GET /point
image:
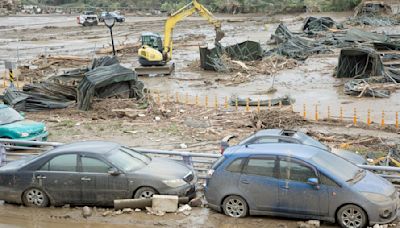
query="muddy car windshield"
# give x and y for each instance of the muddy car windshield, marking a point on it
(127, 159)
(336, 166)
(9, 115)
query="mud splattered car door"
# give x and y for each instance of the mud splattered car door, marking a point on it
(99, 187)
(60, 179)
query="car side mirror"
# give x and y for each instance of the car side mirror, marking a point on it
(114, 172)
(22, 114)
(313, 182)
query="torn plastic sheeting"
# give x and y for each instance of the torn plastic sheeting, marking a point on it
(55, 90)
(313, 24)
(245, 51)
(106, 81)
(356, 35)
(26, 101)
(359, 62)
(293, 46)
(285, 100)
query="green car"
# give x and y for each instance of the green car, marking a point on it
(14, 126)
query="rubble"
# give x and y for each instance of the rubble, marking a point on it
(313, 24)
(165, 203)
(284, 100)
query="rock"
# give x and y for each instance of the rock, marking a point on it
(385, 226)
(86, 211)
(376, 226)
(157, 118)
(183, 146)
(119, 212)
(181, 111)
(196, 202)
(184, 208)
(165, 203)
(303, 225)
(196, 123)
(314, 223)
(150, 211)
(66, 206)
(106, 213)
(141, 115)
(127, 210)
(2, 202)
(138, 210)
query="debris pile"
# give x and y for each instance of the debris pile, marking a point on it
(375, 14)
(368, 73)
(103, 79)
(285, 119)
(284, 100)
(212, 59)
(294, 46)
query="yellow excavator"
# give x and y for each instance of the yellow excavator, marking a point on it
(156, 54)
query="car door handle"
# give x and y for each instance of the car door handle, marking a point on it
(285, 187)
(85, 179)
(244, 182)
(41, 177)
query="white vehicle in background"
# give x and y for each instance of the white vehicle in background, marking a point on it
(88, 18)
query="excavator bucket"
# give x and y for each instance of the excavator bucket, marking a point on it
(219, 34)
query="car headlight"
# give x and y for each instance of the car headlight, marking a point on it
(44, 128)
(24, 134)
(174, 183)
(376, 198)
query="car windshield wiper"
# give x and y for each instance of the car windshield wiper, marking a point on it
(356, 176)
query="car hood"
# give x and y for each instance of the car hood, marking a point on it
(164, 168)
(374, 184)
(23, 126)
(350, 156)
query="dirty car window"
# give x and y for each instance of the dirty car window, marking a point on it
(92, 165)
(294, 171)
(335, 165)
(9, 115)
(262, 167)
(125, 160)
(66, 163)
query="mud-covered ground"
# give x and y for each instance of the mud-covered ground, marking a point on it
(201, 129)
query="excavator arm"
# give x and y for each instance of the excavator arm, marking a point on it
(181, 14)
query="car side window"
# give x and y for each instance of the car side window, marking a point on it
(93, 165)
(235, 166)
(261, 167)
(324, 180)
(65, 162)
(295, 171)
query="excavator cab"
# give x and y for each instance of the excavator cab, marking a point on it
(150, 54)
(152, 40)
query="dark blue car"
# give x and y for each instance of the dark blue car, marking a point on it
(300, 181)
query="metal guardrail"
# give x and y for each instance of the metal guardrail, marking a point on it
(201, 162)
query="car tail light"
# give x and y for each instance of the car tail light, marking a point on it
(222, 150)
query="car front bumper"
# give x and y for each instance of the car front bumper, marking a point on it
(376, 218)
(188, 190)
(41, 137)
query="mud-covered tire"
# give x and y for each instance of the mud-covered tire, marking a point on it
(235, 206)
(144, 193)
(352, 216)
(35, 197)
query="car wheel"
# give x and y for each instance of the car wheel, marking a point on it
(352, 216)
(35, 198)
(235, 206)
(145, 193)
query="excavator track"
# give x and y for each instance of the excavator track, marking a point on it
(168, 69)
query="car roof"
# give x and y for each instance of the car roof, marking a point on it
(273, 132)
(98, 147)
(3, 106)
(284, 149)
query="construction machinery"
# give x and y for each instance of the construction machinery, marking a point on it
(155, 55)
